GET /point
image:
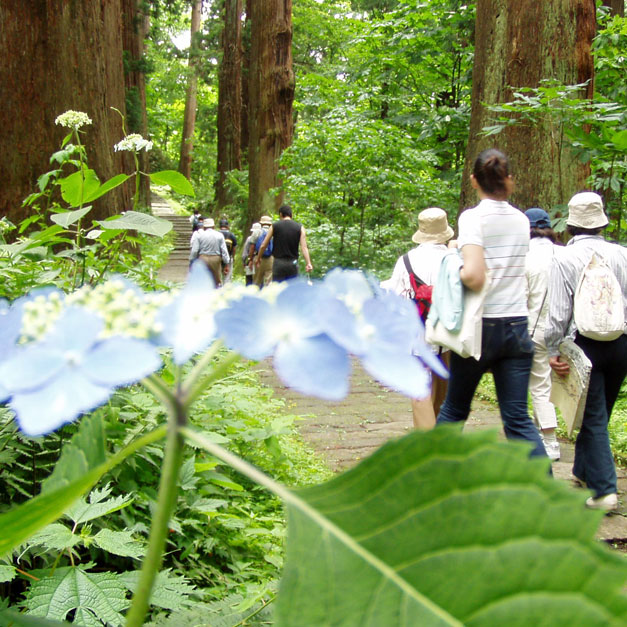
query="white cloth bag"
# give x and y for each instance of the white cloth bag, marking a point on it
(467, 341)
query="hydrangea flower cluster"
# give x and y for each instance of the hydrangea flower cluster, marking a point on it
(62, 355)
(134, 143)
(73, 119)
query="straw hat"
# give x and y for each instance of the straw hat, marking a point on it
(208, 223)
(265, 221)
(585, 210)
(432, 227)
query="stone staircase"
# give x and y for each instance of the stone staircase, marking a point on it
(175, 269)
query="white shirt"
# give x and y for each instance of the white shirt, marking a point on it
(503, 232)
(425, 262)
(537, 267)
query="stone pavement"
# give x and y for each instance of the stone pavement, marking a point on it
(345, 432)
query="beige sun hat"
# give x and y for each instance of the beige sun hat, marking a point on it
(265, 221)
(585, 210)
(433, 227)
(208, 223)
(255, 227)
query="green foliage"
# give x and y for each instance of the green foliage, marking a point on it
(413, 522)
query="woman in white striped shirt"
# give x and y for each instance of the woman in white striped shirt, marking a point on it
(494, 237)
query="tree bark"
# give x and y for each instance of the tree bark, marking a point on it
(135, 28)
(229, 100)
(59, 55)
(191, 100)
(245, 137)
(617, 7)
(517, 44)
(271, 93)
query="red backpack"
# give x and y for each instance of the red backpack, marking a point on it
(422, 292)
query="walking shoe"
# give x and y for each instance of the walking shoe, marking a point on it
(552, 448)
(608, 503)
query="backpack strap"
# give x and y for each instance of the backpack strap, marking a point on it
(410, 270)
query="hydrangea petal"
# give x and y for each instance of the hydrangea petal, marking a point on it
(41, 411)
(316, 366)
(31, 367)
(400, 372)
(395, 320)
(120, 361)
(350, 285)
(76, 330)
(341, 326)
(245, 327)
(10, 328)
(302, 303)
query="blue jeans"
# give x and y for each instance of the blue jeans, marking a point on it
(594, 462)
(507, 351)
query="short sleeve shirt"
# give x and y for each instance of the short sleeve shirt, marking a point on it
(503, 232)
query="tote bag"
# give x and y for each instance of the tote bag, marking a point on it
(467, 341)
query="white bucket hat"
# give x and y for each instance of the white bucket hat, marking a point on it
(208, 223)
(432, 227)
(585, 210)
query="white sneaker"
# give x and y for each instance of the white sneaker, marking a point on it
(608, 503)
(552, 448)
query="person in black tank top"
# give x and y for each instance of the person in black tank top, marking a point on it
(287, 236)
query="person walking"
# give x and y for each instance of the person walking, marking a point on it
(263, 271)
(287, 236)
(494, 237)
(231, 245)
(593, 465)
(209, 245)
(537, 267)
(424, 261)
(248, 252)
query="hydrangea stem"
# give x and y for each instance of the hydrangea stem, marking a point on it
(166, 500)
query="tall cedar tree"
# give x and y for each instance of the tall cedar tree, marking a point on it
(229, 100)
(517, 44)
(60, 55)
(191, 98)
(270, 97)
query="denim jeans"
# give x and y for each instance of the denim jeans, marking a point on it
(594, 462)
(506, 350)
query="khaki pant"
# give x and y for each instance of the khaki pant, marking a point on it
(425, 410)
(214, 263)
(263, 272)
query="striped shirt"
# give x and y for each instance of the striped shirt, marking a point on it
(503, 232)
(566, 270)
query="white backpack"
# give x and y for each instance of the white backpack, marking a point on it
(598, 306)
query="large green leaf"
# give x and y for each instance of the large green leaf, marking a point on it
(106, 187)
(170, 591)
(620, 140)
(96, 598)
(19, 523)
(67, 218)
(77, 187)
(136, 221)
(119, 542)
(175, 180)
(99, 505)
(442, 527)
(11, 618)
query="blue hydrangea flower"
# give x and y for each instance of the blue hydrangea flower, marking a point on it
(71, 371)
(292, 329)
(10, 325)
(188, 322)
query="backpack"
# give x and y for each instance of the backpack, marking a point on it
(268, 251)
(598, 307)
(422, 293)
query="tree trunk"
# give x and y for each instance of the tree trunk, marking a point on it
(189, 117)
(59, 55)
(516, 45)
(617, 7)
(135, 27)
(245, 137)
(271, 93)
(229, 100)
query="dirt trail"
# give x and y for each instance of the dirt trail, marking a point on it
(346, 432)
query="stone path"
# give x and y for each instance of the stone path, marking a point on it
(345, 432)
